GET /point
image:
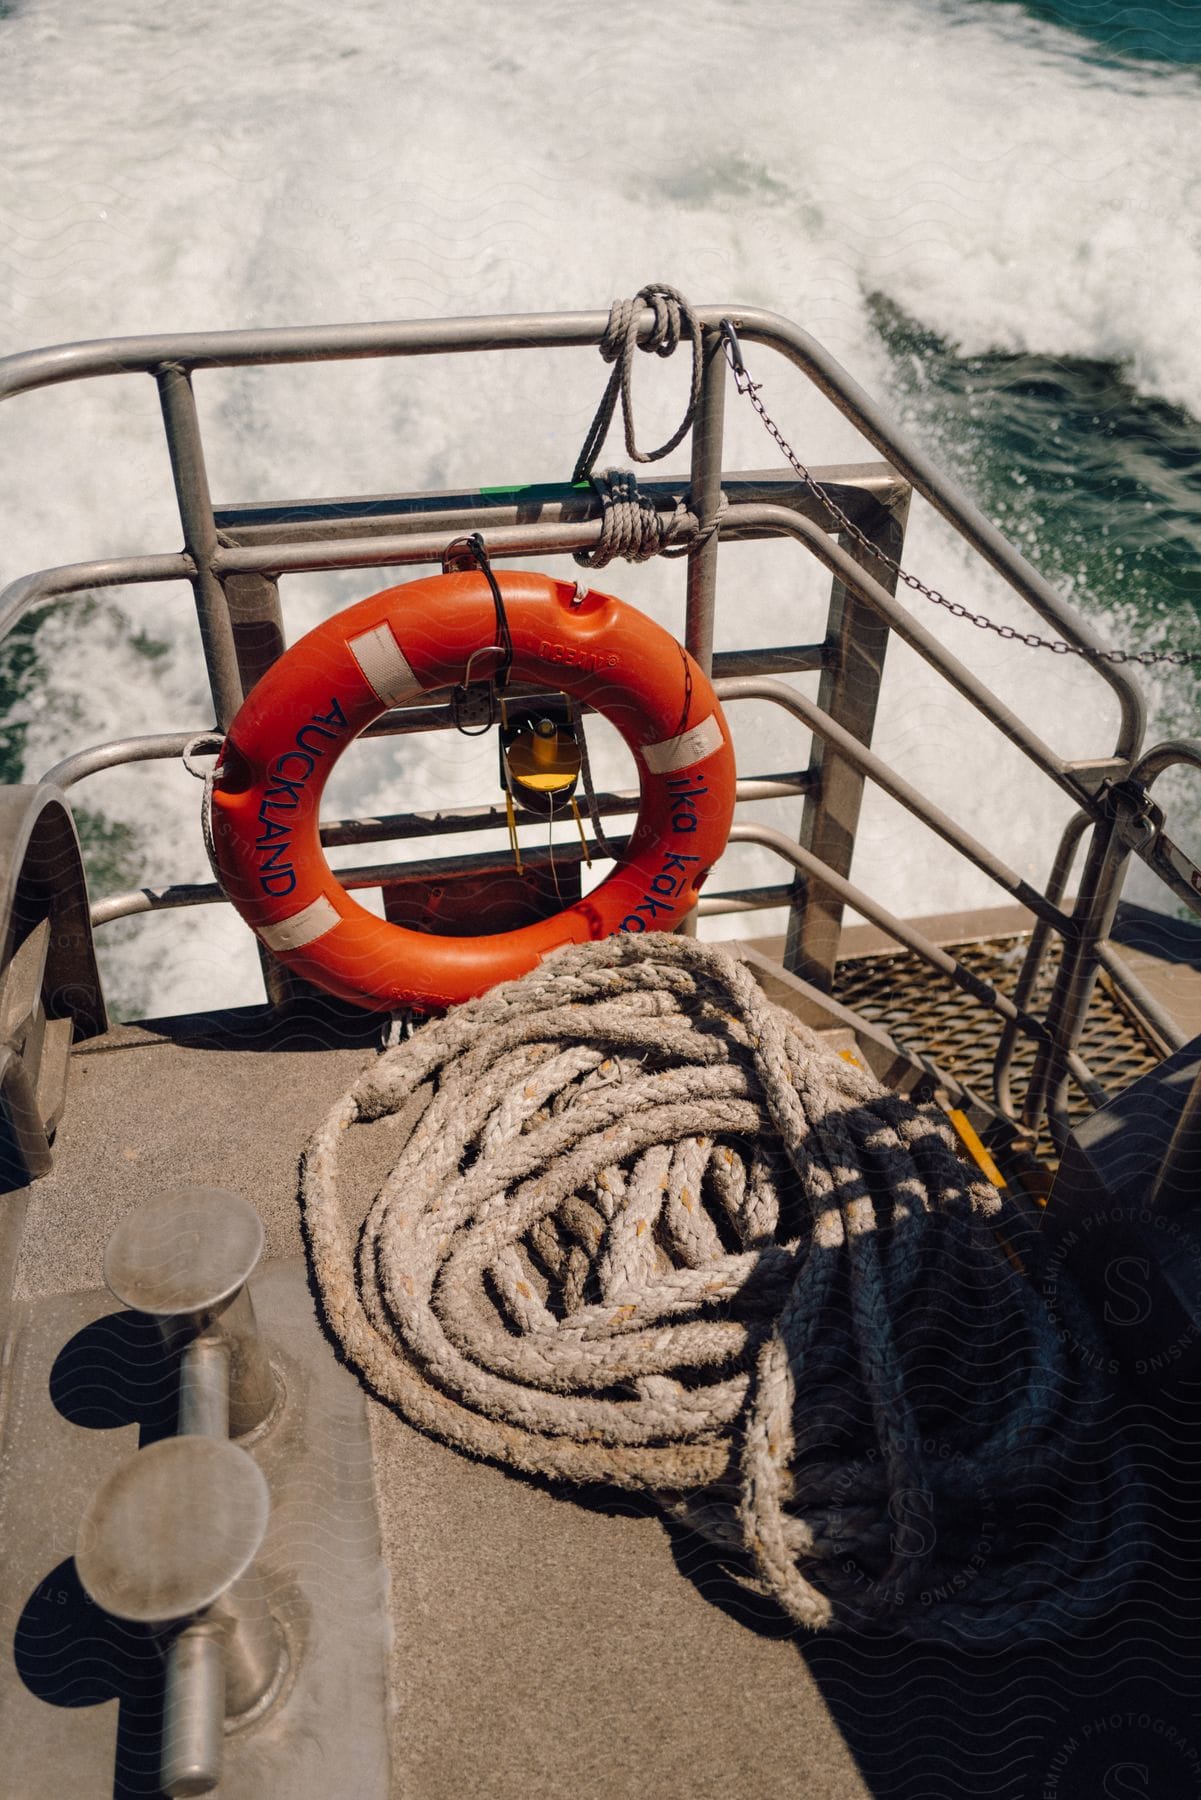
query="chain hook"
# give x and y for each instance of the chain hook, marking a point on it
(1138, 819)
(733, 354)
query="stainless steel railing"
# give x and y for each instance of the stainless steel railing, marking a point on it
(235, 558)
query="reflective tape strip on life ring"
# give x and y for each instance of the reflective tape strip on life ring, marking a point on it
(411, 640)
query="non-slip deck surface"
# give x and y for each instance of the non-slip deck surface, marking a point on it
(540, 1648)
(545, 1647)
(206, 1105)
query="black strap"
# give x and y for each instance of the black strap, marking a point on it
(466, 552)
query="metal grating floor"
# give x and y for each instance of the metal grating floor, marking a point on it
(924, 1011)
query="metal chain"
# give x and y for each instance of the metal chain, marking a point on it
(1010, 633)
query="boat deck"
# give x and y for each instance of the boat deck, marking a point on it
(462, 1631)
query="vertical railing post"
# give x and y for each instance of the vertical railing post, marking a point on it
(241, 623)
(258, 624)
(705, 497)
(857, 639)
(1036, 949)
(186, 450)
(1092, 917)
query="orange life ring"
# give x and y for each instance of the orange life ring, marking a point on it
(409, 640)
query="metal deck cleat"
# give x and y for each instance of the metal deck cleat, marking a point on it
(184, 1260)
(167, 1543)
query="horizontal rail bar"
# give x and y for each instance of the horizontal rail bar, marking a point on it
(310, 343)
(340, 833)
(229, 349)
(740, 900)
(448, 821)
(25, 595)
(861, 490)
(161, 746)
(148, 899)
(207, 893)
(144, 900)
(784, 659)
(532, 539)
(168, 745)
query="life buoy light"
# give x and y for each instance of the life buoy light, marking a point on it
(422, 636)
(541, 760)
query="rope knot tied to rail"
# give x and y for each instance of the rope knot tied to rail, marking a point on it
(670, 309)
(632, 526)
(642, 1228)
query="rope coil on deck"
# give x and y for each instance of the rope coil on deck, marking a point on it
(646, 1230)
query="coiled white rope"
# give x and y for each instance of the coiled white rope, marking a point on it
(647, 1230)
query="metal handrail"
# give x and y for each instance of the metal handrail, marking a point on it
(186, 352)
(871, 765)
(250, 544)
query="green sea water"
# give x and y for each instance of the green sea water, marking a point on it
(1099, 483)
(1167, 32)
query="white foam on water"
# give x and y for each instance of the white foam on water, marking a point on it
(216, 167)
